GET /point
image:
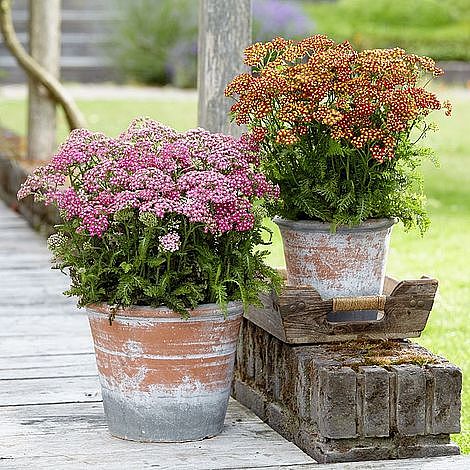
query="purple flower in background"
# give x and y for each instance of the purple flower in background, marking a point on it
(280, 18)
(271, 18)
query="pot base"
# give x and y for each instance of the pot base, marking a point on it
(148, 419)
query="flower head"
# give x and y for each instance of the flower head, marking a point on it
(364, 100)
(170, 242)
(154, 172)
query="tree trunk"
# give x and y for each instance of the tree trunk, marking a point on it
(224, 32)
(44, 43)
(73, 115)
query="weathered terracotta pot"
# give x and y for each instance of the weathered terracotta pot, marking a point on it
(164, 378)
(348, 263)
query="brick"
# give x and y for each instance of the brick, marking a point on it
(302, 385)
(273, 378)
(279, 418)
(337, 402)
(444, 389)
(432, 450)
(410, 393)
(250, 361)
(375, 399)
(249, 397)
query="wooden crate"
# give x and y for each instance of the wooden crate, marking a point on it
(300, 316)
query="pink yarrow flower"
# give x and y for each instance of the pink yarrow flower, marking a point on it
(170, 242)
(209, 179)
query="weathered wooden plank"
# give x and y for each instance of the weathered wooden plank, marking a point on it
(65, 389)
(14, 294)
(91, 412)
(52, 286)
(456, 462)
(50, 361)
(8, 263)
(37, 275)
(86, 368)
(268, 317)
(31, 309)
(444, 463)
(42, 345)
(12, 233)
(65, 324)
(25, 258)
(31, 278)
(31, 301)
(42, 437)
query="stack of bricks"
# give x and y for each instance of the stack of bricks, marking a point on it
(337, 405)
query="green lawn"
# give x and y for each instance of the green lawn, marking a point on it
(110, 117)
(443, 253)
(425, 27)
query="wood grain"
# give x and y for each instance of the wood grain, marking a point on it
(224, 32)
(50, 414)
(44, 45)
(299, 315)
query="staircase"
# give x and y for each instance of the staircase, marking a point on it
(87, 28)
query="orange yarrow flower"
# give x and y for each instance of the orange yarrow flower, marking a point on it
(364, 99)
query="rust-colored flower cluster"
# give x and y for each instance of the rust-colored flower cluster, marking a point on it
(364, 99)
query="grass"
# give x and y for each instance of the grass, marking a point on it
(426, 27)
(443, 252)
(110, 117)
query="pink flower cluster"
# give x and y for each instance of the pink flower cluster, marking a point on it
(170, 242)
(211, 179)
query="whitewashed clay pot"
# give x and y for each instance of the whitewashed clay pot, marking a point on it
(348, 263)
(164, 378)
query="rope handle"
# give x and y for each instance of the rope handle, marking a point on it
(345, 304)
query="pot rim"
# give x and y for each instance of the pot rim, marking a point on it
(202, 311)
(369, 225)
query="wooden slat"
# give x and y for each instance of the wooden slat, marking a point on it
(51, 361)
(44, 345)
(32, 309)
(65, 389)
(66, 324)
(83, 368)
(36, 439)
(50, 416)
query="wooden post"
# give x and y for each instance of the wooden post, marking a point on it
(224, 32)
(44, 42)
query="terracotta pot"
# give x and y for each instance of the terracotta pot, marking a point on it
(348, 263)
(164, 378)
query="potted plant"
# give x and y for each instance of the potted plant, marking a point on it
(338, 131)
(159, 238)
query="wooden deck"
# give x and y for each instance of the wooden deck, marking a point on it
(51, 415)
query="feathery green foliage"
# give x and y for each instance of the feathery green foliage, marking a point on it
(128, 267)
(344, 186)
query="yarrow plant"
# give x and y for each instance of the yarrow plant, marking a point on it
(156, 217)
(339, 128)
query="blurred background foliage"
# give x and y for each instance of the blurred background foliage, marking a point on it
(156, 41)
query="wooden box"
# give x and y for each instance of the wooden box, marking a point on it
(300, 316)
